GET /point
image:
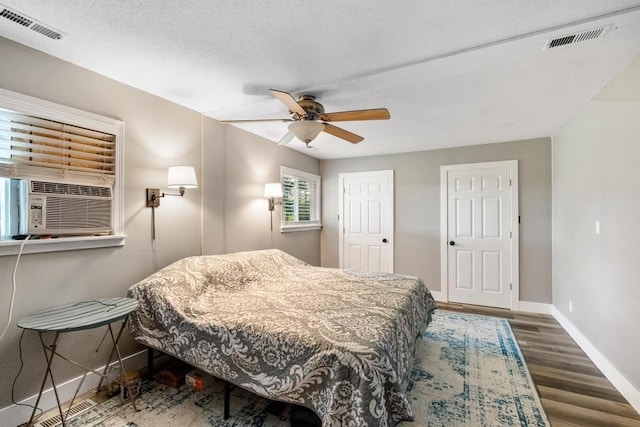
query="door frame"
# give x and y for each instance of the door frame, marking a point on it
(341, 190)
(514, 217)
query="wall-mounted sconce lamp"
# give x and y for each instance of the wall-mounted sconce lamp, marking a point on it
(180, 177)
(273, 191)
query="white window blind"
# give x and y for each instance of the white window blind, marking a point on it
(29, 142)
(300, 200)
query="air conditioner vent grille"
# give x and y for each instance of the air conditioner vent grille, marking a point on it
(32, 24)
(44, 187)
(581, 36)
(77, 214)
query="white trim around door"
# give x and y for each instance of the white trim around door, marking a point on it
(366, 220)
(513, 218)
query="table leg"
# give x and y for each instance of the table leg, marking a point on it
(149, 363)
(84, 375)
(49, 359)
(113, 350)
(226, 399)
(124, 372)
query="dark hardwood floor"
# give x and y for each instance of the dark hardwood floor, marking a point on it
(573, 391)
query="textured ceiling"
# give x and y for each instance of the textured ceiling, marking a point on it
(451, 73)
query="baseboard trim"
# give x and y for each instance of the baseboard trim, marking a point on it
(437, 295)
(526, 306)
(14, 415)
(535, 307)
(618, 380)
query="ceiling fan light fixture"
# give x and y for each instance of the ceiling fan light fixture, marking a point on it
(306, 130)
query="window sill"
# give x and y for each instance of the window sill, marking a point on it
(300, 227)
(12, 247)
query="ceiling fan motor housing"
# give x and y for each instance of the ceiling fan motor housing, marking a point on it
(313, 108)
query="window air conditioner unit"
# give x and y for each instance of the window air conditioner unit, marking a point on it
(57, 208)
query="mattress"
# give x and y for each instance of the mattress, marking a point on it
(338, 342)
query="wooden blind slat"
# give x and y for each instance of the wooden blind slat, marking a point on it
(49, 124)
(65, 151)
(40, 142)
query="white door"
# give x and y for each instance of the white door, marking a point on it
(480, 213)
(365, 221)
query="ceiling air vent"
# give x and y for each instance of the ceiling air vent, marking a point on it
(591, 34)
(30, 23)
(18, 19)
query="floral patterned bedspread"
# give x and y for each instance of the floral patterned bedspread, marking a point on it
(339, 342)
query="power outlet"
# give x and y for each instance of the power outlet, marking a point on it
(153, 197)
(570, 306)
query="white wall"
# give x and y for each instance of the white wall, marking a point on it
(596, 176)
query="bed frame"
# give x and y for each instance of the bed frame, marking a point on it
(227, 385)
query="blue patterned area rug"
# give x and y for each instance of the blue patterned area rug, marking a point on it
(469, 371)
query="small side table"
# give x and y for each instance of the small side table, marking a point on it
(78, 317)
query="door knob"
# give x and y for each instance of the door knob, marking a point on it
(384, 240)
(451, 243)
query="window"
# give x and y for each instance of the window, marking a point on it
(300, 200)
(63, 166)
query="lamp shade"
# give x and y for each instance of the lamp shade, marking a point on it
(273, 190)
(306, 130)
(182, 176)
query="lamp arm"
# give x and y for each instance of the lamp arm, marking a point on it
(154, 194)
(180, 189)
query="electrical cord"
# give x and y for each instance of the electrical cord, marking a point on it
(6, 328)
(153, 239)
(13, 292)
(95, 301)
(15, 380)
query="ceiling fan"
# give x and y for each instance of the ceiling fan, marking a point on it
(309, 119)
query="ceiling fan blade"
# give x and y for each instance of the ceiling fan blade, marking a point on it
(255, 120)
(289, 101)
(341, 133)
(286, 138)
(343, 116)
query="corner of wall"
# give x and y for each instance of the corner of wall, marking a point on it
(618, 380)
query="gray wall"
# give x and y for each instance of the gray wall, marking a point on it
(596, 176)
(417, 208)
(157, 135)
(249, 163)
(212, 187)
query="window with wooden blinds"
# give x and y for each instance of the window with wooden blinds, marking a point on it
(300, 200)
(75, 152)
(28, 140)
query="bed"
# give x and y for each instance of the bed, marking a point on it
(336, 341)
